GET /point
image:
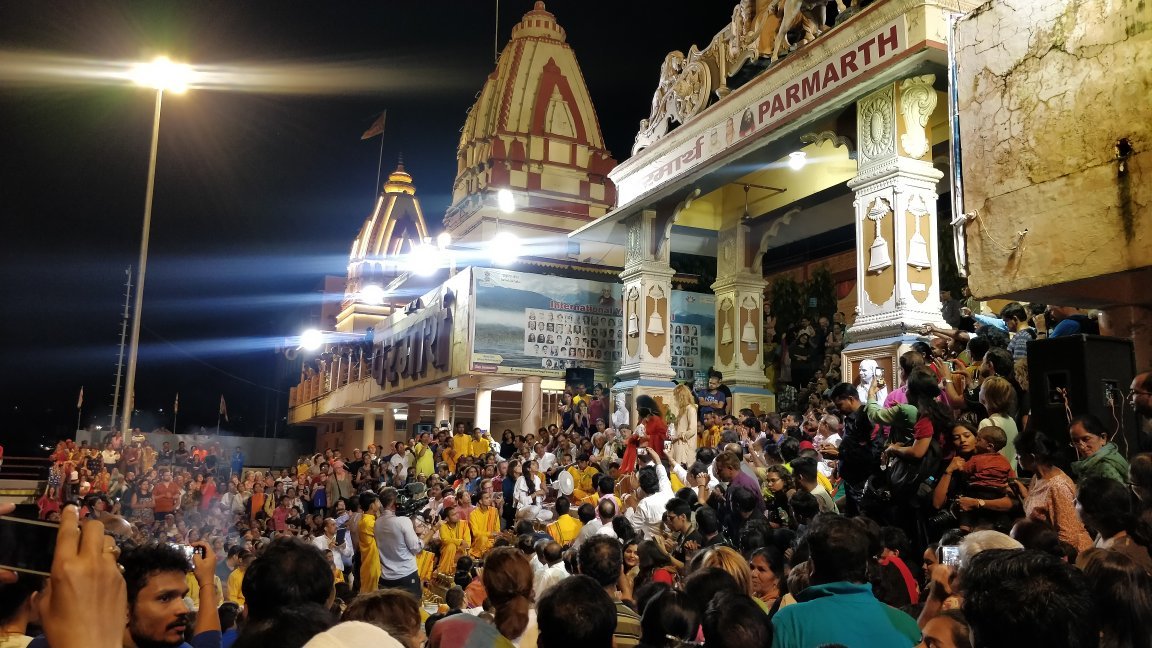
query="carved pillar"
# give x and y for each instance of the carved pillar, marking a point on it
(739, 292)
(483, 417)
(897, 261)
(531, 405)
(647, 296)
(443, 410)
(646, 365)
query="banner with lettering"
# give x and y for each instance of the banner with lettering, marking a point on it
(539, 325)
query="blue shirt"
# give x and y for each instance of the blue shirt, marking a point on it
(842, 613)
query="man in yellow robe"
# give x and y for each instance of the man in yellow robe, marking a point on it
(455, 540)
(584, 477)
(461, 442)
(484, 523)
(565, 529)
(479, 445)
(369, 577)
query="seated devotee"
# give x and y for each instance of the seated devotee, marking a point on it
(566, 528)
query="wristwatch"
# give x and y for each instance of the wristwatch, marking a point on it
(980, 502)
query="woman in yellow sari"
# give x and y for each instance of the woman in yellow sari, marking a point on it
(455, 539)
(369, 578)
(484, 524)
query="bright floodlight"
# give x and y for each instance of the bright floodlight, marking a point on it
(797, 160)
(424, 260)
(163, 74)
(443, 240)
(504, 248)
(506, 201)
(311, 340)
(372, 294)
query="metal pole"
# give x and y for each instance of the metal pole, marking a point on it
(134, 344)
(123, 341)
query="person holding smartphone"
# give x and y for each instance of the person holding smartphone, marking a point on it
(337, 543)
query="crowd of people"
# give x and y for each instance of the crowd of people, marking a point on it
(932, 511)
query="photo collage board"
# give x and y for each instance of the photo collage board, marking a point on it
(564, 339)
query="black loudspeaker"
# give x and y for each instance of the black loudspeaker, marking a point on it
(1093, 373)
(580, 375)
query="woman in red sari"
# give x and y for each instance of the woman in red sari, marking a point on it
(651, 432)
(653, 420)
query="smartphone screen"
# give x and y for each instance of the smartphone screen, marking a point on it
(950, 555)
(27, 545)
(341, 534)
(187, 550)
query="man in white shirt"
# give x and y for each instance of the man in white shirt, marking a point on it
(399, 462)
(544, 458)
(647, 514)
(606, 510)
(592, 524)
(553, 572)
(341, 548)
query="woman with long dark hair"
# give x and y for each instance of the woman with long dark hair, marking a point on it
(655, 565)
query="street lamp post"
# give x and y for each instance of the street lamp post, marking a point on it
(160, 75)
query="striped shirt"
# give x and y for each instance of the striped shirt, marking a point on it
(627, 633)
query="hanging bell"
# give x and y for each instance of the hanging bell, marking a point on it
(726, 333)
(878, 257)
(918, 250)
(633, 325)
(655, 323)
(748, 333)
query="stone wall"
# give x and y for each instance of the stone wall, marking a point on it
(1046, 90)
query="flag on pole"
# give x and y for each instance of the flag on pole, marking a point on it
(80, 400)
(176, 405)
(377, 127)
(223, 408)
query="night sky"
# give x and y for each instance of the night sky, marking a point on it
(258, 194)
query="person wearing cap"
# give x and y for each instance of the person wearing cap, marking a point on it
(353, 634)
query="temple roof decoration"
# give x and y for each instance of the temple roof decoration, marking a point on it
(390, 231)
(532, 130)
(690, 83)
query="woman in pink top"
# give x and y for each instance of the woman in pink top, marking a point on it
(1051, 496)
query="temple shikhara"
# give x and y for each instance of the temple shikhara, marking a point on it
(798, 170)
(532, 131)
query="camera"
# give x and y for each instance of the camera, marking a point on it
(943, 520)
(411, 499)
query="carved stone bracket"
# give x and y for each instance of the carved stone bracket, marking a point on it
(917, 101)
